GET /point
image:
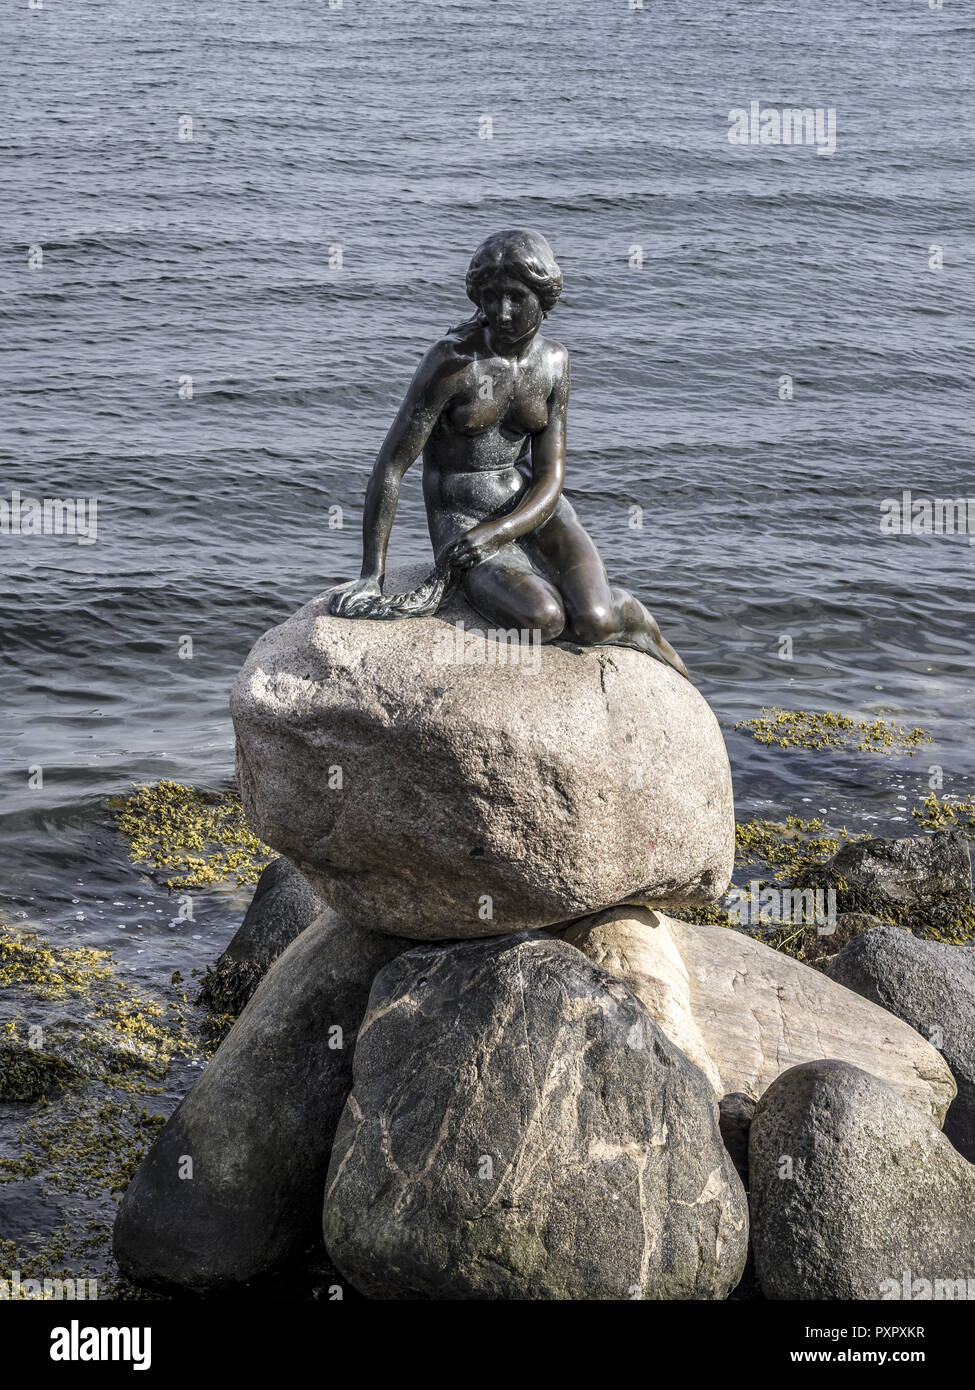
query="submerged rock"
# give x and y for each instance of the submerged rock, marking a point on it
(520, 1128)
(745, 1013)
(931, 986)
(232, 1185)
(854, 1193)
(283, 905)
(436, 798)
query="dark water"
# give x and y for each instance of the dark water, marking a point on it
(316, 127)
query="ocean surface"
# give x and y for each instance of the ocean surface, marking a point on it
(698, 273)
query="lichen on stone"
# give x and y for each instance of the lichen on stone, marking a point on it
(200, 834)
(828, 729)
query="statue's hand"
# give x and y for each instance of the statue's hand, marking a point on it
(356, 600)
(473, 547)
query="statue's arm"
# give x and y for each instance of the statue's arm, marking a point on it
(429, 392)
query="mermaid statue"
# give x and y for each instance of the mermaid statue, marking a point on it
(487, 410)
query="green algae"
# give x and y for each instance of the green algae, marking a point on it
(947, 814)
(29, 1070)
(827, 729)
(797, 853)
(788, 847)
(202, 835)
(91, 1077)
(46, 972)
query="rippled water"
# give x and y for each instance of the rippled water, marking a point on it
(360, 127)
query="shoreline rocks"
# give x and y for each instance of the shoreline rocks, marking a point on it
(283, 905)
(930, 986)
(519, 1128)
(232, 1185)
(436, 799)
(873, 875)
(745, 1013)
(852, 1189)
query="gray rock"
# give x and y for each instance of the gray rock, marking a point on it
(437, 799)
(735, 1120)
(744, 1013)
(931, 986)
(852, 1189)
(283, 905)
(519, 1128)
(257, 1126)
(896, 873)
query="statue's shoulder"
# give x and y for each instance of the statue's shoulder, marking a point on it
(556, 357)
(446, 357)
(463, 340)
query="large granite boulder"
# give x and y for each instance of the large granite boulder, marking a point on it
(745, 1013)
(233, 1183)
(520, 1128)
(437, 781)
(931, 986)
(283, 905)
(854, 1193)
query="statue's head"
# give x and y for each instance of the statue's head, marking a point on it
(514, 279)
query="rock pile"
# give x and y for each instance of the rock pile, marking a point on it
(491, 1067)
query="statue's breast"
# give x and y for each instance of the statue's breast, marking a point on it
(516, 408)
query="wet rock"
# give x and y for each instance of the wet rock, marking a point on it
(520, 1128)
(232, 1185)
(931, 987)
(876, 874)
(745, 1013)
(283, 905)
(854, 1193)
(437, 799)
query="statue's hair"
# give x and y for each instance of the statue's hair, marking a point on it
(526, 256)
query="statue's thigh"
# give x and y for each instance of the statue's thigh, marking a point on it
(566, 551)
(508, 591)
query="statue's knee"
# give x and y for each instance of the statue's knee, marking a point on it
(597, 624)
(546, 616)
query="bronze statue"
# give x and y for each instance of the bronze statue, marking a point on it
(487, 410)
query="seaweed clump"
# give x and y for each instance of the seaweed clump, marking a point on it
(88, 1052)
(827, 729)
(792, 860)
(200, 834)
(936, 814)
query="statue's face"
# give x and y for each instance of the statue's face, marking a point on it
(512, 310)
